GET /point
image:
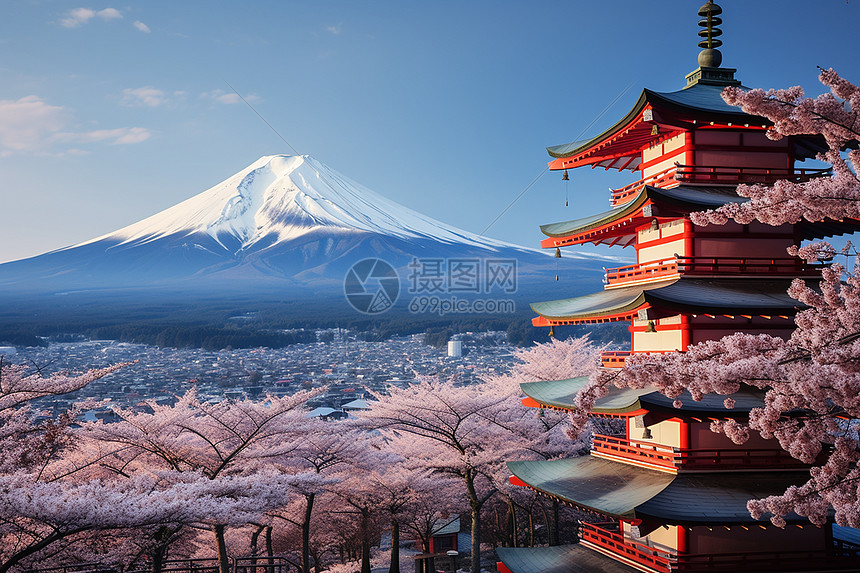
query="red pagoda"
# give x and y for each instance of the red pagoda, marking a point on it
(664, 492)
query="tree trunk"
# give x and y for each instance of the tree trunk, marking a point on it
(475, 504)
(255, 538)
(270, 552)
(531, 528)
(157, 556)
(554, 534)
(512, 523)
(365, 540)
(221, 544)
(159, 551)
(306, 534)
(394, 567)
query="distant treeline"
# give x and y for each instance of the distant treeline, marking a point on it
(251, 322)
(208, 337)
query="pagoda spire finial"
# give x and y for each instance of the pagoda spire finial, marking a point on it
(709, 71)
(710, 57)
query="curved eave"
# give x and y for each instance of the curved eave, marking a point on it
(593, 483)
(676, 296)
(558, 559)
(577, 148)
(618, 225)
(561, 394)
(626, 491)
(606, 305)
(618, 147)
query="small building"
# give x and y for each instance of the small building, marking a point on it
(444, 534)
(455, 348)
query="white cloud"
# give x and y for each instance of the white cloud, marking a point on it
(31, 125)
(334, 29)
(119, 136)
(221, 96)
(80, 16)
(25, 124)
(146, 96)
(141, 26)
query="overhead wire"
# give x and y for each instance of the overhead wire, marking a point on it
(261, 117)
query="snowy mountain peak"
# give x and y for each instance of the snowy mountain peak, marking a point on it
(282, 197)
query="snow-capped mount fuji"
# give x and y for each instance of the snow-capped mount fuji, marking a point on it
(281, 198)
(286, 224)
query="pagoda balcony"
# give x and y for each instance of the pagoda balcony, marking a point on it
(665, 178)
(616, 544)
(646, 557)
(714, 175)
(613, 358)
(723, 175)
(662, 269)
(668, 458)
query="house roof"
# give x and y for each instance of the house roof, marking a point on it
(559, 559)
(631, 492)
(688, 295)
(561, 394)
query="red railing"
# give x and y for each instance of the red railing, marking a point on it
(688, 459)
(724, 175)
(613, 358)
(625, 194)
(667, 561)
(643, 271)
(656, 559)
(656, 454)
(675, 266)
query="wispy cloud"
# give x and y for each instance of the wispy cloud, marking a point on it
(334, 29)
(80, 16)
(146, 96)
(26, 124)
(141, 26)
(30, 125)
(221, 96)
(119, 136)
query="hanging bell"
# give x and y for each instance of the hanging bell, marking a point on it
(557, 253)
(655, 130)
(551, 332)
(564, 176)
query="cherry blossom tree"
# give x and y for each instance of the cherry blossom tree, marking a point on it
(451, 430)
(324, 448)
(544, 433)
(811, 380)
(219, 441)
(40, 501)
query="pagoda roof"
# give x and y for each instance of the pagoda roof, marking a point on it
(624, 219)
(731, 296)
(618, 225)
(561, 394)
(693, 107)
(574, 558)
(631, 492)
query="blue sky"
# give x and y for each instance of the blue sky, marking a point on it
(111, 112)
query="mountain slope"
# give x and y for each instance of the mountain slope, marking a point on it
(286, 224)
